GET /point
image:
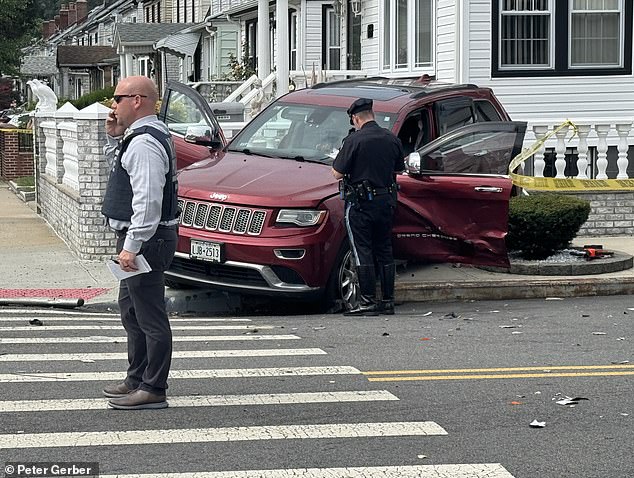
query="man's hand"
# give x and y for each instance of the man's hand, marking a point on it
(127, 261)
(113, 128)
(336, 174)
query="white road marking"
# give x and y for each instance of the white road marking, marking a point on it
(85, 318)
(111, 340)
(178, 374)
(10, 406)
(228, 434)
(177, 354)
(54, 328)
(471, 470)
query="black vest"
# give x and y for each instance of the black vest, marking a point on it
(117, 203)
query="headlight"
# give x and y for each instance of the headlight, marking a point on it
(301, 217)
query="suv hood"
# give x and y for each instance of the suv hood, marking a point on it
(257, 181)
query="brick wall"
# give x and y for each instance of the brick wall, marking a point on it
(611, 213)
(16, 154)
(75, 214)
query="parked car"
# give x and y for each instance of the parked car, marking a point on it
(262, 215)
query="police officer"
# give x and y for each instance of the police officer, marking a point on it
(368, 162)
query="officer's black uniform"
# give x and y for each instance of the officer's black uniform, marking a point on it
(369, 160)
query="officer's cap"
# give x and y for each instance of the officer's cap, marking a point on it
(362, 104)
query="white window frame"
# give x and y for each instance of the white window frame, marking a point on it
(143, 66)
(411, 40)
(332, 19)
(621, 12)
(292, 40)
(551, 37)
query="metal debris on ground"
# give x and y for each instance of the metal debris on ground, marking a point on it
(599, 333)
(36, 322)
(537, 424)
(564, 400)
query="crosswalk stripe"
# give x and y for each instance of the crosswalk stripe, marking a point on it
(111, 319)
(177, 355)
(112, 340)
(471, 470)
(54, 328)
(11, 406)
(226, 434)
(178, 374)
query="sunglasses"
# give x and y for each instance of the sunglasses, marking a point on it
(118, 98)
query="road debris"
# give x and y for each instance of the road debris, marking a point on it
(599, 333)
(36, 322)
(572, 401)
(537, 424)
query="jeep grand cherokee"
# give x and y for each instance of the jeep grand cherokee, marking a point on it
(262, 214)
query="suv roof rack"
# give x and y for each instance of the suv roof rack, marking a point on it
(417, 87)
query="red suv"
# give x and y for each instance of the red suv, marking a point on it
(262, 215)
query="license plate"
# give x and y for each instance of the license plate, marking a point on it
(207, 251)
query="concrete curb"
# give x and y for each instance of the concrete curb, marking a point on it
(514, 289)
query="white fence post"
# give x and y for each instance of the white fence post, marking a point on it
(539, 164)
(602, 149)
(560, 148)
(623, 130)
(583, 131)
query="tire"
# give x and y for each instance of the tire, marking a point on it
(342, 292)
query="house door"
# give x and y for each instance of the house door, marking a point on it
(353, 55)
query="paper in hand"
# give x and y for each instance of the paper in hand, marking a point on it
(120, 274)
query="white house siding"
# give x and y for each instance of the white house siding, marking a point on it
(370, 46)
(313, 36)
(227, 44)
(532, 98)
(446, 40)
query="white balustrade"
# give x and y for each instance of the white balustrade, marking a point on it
(49, 130)
(539, 163)
(602, 150)
(560, 162)
(596, 135)
(68, 133)
(582, 162)
(623, 130)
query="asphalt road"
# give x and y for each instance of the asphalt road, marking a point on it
(438, 390)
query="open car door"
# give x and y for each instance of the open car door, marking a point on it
(454, 198)
(195, 130)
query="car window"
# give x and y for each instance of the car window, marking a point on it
(453, 113)
(182, 112)
(415, 131)
(485, 111)
(482, 152)
(291, 130)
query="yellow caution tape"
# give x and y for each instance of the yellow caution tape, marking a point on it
(15, 130)
(561, 184)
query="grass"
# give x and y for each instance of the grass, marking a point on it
(25, 181)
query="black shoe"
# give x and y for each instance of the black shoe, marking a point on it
(386, 307)
(363, 308)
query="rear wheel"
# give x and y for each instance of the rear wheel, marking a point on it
(342, 292)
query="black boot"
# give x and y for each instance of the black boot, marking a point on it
(367, 284)
(387, 273)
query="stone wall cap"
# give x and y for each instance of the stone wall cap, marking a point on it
(66, 111)
(94, 111)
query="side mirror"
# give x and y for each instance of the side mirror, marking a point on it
(413, 163)
(201, 135)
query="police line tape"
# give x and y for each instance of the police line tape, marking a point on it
(561, 184)
(15, 130)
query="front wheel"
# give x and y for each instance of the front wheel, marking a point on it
(343, 285)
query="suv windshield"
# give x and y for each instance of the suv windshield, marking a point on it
(299, 132)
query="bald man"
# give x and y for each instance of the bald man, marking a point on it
(141, 206)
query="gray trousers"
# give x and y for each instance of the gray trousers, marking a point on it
(144, 317)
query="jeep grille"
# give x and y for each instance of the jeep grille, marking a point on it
(222, 218)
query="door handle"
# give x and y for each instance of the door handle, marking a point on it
(488, 189)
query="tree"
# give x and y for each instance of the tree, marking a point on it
(17, 28)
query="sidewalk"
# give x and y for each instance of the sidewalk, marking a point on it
(36, 263)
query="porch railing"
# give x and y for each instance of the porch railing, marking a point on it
(596, 149)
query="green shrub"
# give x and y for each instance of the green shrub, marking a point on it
(94, 97)
(542, 224)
